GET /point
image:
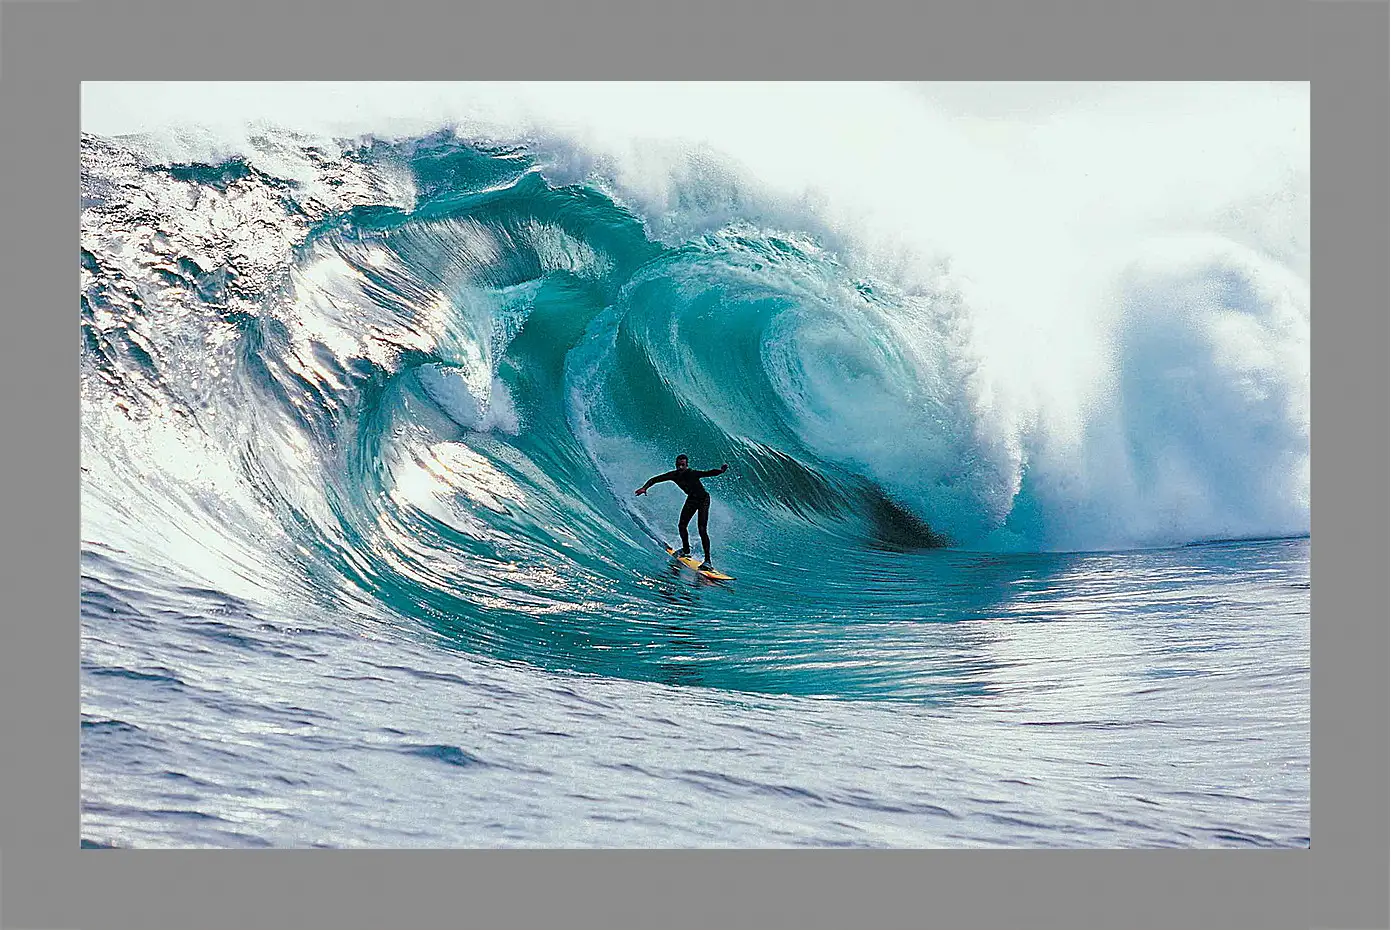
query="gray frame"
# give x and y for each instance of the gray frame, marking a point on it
(46, 48)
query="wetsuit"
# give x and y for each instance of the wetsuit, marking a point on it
(697, 499)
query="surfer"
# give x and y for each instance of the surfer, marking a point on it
(697, 499)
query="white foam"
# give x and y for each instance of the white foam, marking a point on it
(473, 398)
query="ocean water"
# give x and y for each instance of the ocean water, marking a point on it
(362, 565)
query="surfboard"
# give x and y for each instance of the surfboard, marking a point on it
(693, 565)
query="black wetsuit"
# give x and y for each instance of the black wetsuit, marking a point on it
(697, 499)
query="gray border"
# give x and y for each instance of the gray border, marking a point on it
(44, 51)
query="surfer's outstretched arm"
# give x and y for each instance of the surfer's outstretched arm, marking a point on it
(714, 472)
(657, 479)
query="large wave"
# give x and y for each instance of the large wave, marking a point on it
(421, 373)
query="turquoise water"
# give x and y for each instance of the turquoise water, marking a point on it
(362, 565)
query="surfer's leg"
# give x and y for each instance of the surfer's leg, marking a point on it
(704, 519)
(687, 511)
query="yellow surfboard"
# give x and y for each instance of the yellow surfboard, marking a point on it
(695, 566)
